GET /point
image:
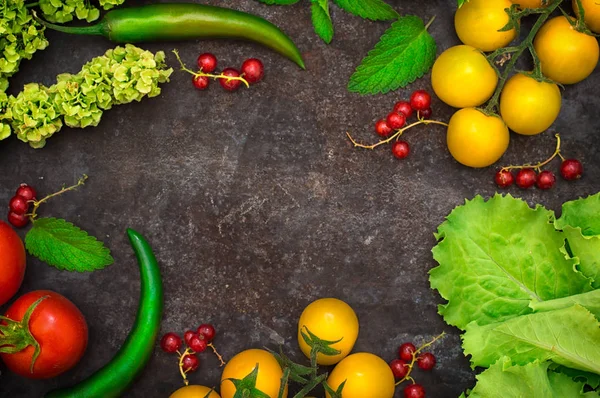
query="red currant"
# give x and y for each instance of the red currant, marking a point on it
(200, 82)
(230, 85)
(525, 178)
(188, 335)
(399, 368)
(545, 180)
(382, 128)
(198, 343)
(426, 361)
(17, 220)
(170, 342)
(26, 192)
(404, 108)
(400, 149)
(253, 70)
(18, 205)
(190, 363)
(207, 62)
(414, 391)
(396, 120)
(425, 114)
(571, 169)
(504, 178)
(406, 351)
(420, 100)
(208, 331)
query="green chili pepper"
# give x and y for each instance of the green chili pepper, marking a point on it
(116, 376)
(179, 21)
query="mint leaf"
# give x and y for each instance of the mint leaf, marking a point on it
(375, 10)
(279, 2)
(405, 52)
(498, 256)
(65, 246)
(568, 337)
(322, 20)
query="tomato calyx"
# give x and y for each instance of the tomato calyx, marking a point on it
(15, 336)
(246, 387)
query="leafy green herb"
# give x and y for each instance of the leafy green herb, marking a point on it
(405, 52)
(322, 20)
(65, 246)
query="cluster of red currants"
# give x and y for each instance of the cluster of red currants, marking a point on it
(402, 367)
(197, 341)
(420, 102)
(19, 206)
(526, 177)
(252, 71)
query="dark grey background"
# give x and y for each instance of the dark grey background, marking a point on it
(256, 203)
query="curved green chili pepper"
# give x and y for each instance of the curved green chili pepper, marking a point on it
(179, 21)
(116, 376)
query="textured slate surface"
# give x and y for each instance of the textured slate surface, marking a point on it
(256, 204)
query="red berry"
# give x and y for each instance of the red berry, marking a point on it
(426, 361)
(400, 149)
(207, 62)
(406, 351)
(399, 368)
(404, 108)
(571, 169)
(170, 342)
(545, 180)
(425, 113)
(396, 120)
(420, 100)
(504, 178)
(208, 331)
(253, 70)
(198, 343)
(414, 391)
(17, 220)
(230, 85)
(26, 192)
(188, 335)
(200, 82)
(525, 178)
(382, 128)
(190, 363)
(18, 205)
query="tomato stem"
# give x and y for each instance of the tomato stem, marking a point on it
(396, 135)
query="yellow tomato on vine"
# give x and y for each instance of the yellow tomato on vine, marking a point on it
(592, 13)
(529, 3)
(241, 365)
(194, 391)
(366, 375)
(478, 24)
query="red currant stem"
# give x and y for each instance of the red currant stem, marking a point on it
(414, 358)
(217, 354)
(541, 164)
(183, 372)
(37, 203)
(200, 73)
(395, 135)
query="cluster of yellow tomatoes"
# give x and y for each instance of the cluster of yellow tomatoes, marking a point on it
(365, 374)
(463, 78)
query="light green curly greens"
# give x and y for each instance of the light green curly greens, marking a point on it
(61, 11)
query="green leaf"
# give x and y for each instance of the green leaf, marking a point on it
(589, 300)
(461, 3)
(322, 20)
(375, 10)
(65, 246)
(498, 256)
(590, 379)
(565, 387)
(585, 250)
(568, 337)
(246, 387)
(405, 52)
(582, 213)
(279, 2)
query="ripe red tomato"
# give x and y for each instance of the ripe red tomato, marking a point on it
(12, 262)
(59, 328)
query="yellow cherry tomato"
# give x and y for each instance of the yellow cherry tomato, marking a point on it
(478, 22)
(529, 3)
(476, 139)
(366, 376)
(194, 392)
(527, 106)
(462, 77)
(567, 56)
(592, 13)
(329, 319)
(241, 365)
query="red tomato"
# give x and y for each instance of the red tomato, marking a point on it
(12, 262)
(59, 328)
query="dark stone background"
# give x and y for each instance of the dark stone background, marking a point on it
(256, 203)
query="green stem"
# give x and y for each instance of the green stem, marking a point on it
(37, 203)
(94, 30)
(518, 51)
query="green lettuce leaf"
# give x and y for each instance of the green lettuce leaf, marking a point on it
(590, 379)
(496, 257)
(589, 300)
(582, 213)
(568, 337)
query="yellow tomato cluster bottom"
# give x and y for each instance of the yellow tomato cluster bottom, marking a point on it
(366, 376)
